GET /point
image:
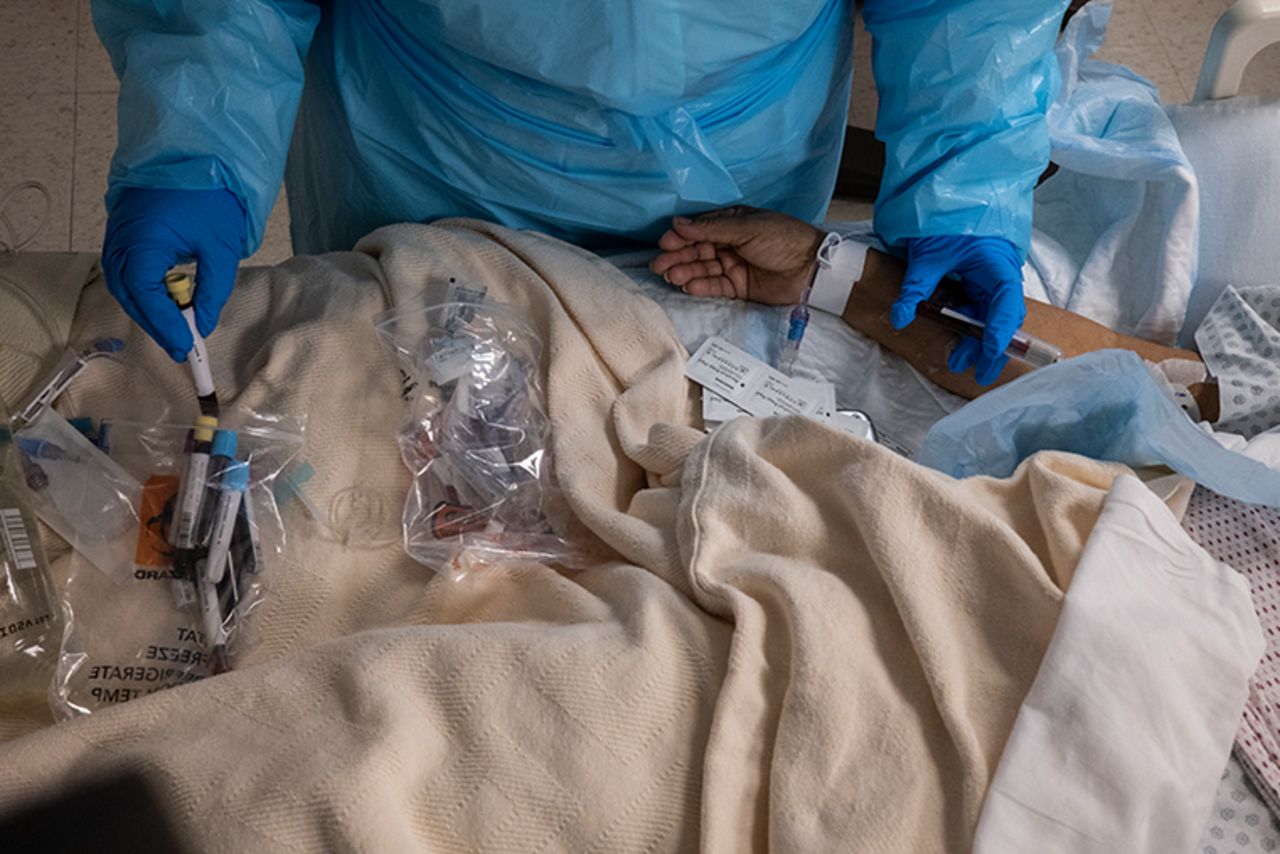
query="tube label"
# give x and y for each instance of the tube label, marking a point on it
(198, 357)
(188, 512)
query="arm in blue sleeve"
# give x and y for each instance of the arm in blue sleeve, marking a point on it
(208, 94)
(964, 88)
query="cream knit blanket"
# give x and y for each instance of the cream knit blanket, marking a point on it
(803, 642)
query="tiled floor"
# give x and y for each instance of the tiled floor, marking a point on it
(57, 103)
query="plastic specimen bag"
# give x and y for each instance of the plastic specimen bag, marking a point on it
(79, 491)
(144, 614)
(475, 436)
(29, 619)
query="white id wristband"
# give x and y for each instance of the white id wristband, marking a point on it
(840, 263)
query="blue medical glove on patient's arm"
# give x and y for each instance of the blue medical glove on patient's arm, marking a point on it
(990, 271)
(148, 232)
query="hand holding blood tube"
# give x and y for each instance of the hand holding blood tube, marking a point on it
(182, 291)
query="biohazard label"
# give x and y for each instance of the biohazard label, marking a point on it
(156, 515)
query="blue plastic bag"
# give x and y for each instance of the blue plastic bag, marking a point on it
(1117, 226)
(1102, 405)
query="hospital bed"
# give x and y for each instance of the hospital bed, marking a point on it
(901, 403)
(1241, 821)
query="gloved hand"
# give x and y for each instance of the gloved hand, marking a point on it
(148, 232)
(990, 270)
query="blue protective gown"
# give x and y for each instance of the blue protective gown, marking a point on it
(589, 121)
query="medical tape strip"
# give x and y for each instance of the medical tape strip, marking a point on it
(840, 264)
(750, 385)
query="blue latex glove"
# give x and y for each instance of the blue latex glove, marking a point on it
(148, 232)
(990, 270)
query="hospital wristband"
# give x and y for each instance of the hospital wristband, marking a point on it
(840, 262)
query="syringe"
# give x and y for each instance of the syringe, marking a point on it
(1024, 347)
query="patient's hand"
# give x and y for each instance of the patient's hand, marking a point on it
(739, 253)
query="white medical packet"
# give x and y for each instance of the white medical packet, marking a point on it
(750, 385)
(735, 383)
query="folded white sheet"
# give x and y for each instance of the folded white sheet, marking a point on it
(1122, 739)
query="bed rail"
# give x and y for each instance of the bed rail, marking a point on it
(1239, 35)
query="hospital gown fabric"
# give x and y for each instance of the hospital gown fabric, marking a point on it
(1240, 823)
(1248, 538)
(1239, 341)
(591, 126)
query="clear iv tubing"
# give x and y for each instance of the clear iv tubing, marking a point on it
(15, 243)
(1024, 347)
(797, 323)
(12, 243)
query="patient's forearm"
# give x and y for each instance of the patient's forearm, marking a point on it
(926, 345)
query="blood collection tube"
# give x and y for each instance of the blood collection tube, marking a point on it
(231, 490)
(182, 291)
(1024, 347)
(183, 530)
(227, 509)
(222, 455)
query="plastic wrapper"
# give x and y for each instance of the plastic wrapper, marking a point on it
(1117, 226)
(28, 612)
(86, 497)
(143, 608)
(475, 436)
(1103, 405)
